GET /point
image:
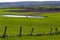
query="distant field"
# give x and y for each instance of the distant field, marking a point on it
(41, 25)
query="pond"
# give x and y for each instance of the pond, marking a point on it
(21, 16)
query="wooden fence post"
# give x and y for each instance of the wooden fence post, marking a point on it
(50, 31)
(32, 31)
(20, 30)
(56, 31)
(5, 30)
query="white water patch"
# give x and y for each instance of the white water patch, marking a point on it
(36, 17)
(23, 16)
(12, 16)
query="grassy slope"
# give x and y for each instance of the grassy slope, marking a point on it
(40, 25)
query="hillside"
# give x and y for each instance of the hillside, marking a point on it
(29, 3)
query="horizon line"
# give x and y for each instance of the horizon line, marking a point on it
(22, 1)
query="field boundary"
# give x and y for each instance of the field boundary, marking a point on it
(31, 33)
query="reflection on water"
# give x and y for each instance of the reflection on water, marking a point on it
(23, 16)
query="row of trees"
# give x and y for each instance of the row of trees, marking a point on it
(35, 8)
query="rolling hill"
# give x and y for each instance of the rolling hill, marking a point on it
(29, 3)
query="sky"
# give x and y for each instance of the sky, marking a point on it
(24, 0)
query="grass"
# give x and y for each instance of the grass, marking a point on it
(39, 24)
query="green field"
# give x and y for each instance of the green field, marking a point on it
(41, 25)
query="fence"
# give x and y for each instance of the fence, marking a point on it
(31, 33)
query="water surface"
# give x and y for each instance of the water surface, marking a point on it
(21, 16)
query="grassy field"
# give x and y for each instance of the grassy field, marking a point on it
(41, 25)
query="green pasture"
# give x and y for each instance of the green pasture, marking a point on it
(41, 25)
